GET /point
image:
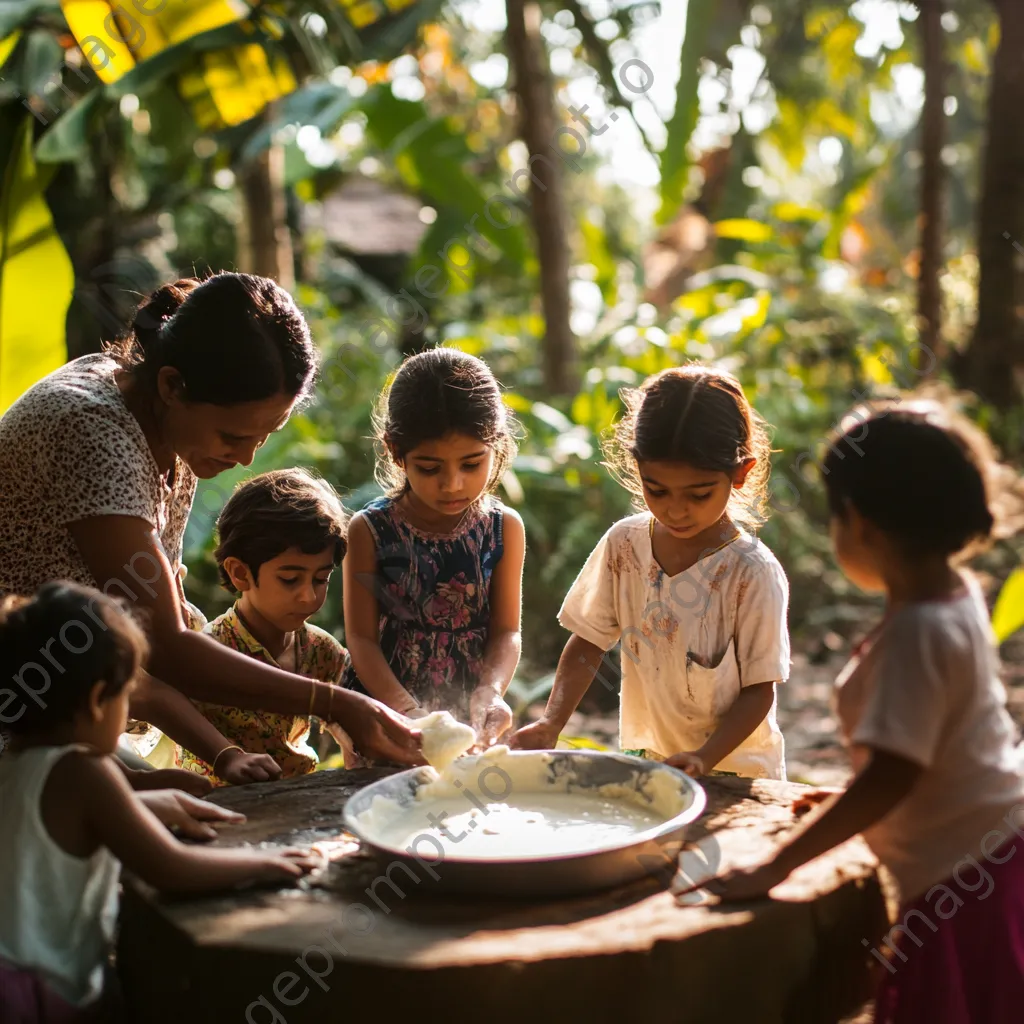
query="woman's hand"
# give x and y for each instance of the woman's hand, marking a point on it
(169, 778)
(238, 768)
(378, 732)
(489, 716)
(688, 761)
(185, 813)
(539, 735)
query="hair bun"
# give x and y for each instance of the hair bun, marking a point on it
(159, 307)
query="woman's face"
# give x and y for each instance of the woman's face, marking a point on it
(211, 439)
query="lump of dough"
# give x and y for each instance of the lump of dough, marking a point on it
(444, 739)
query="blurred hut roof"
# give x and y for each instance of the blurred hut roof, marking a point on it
(365, 217)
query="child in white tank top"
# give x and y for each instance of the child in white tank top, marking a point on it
(68, 817)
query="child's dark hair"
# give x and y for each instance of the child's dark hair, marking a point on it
(700, 416)
(435, 393)
(232, 338)
(272, 512)
(97, 642)
(916, 471)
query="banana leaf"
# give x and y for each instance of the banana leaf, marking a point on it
(36, 276)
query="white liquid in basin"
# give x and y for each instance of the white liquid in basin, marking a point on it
(541, 825)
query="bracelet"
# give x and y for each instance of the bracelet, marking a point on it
(233, 746)
(312, 697)
(330, 702)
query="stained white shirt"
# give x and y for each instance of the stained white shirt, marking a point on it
(926, 687)
(690, 642)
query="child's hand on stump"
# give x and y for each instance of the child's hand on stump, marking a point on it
(188, 815)
(238, 768)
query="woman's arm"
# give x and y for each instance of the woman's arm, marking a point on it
(362, 613)
(490, 714)
(124, 555)
(885, 780)
(748, 711)
(577, 667)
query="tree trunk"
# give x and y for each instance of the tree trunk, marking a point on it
(992, 363)
(538, 124)
(929, 296)
(265, 245)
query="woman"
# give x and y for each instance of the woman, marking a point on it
(98, 470)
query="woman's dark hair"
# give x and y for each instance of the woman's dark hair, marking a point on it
(96, 641)
(436, 393)
(916, 471)
(232, 338)
(272, 512)
(700, 416)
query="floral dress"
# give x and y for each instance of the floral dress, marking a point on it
(283, 737)
(433, 591)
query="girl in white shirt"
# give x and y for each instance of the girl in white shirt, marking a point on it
(69, 819)
(697, 602)
(939, 790)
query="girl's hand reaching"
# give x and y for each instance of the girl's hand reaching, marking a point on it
(238, 768)
(285, 865)
(188, 815)
(743, 884)
(489, 716)
(539, 735)
(687, 761)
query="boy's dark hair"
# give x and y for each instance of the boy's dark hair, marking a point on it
(918, 472)
(98, 641)
(233, 338)
(435, 393)
(272, 512)
(697, 415)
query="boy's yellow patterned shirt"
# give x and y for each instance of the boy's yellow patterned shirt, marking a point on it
(283, 737)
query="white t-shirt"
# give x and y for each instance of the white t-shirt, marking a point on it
(690, 642)
(926, 687)
(59, 911)
(71, 450)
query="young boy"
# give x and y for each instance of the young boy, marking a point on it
(281, 536)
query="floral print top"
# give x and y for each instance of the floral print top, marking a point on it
(283, 737)
(433, 591)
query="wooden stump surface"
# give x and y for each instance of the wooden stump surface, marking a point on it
(355, 938)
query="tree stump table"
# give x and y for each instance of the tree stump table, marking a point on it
(361, 940)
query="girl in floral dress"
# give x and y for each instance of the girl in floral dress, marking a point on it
(433, 574)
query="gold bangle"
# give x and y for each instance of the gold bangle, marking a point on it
(330, 702)
(232, 746)
(312, 697)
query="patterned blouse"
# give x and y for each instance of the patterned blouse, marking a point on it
(283, 737)
(433, 591)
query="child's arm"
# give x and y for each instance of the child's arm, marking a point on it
(173, 713)
(115, 818)
(490, 715)
(883, 783)
(577, 667)
(748, 711)
(361, 617)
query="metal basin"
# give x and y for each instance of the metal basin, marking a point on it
(645, 853)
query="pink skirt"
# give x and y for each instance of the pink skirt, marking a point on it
(26, 999)
(970, 969)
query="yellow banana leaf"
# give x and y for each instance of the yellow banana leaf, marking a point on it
(36, 276)
(1008, 614)
(7, 46)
